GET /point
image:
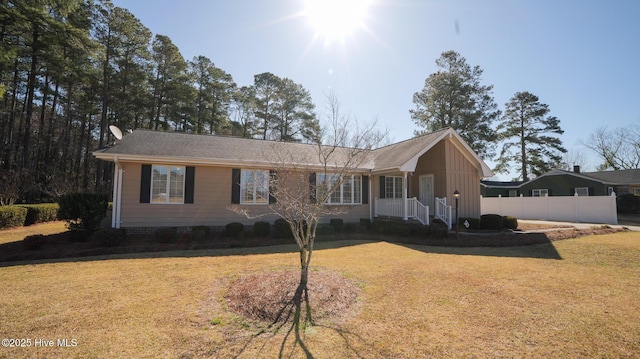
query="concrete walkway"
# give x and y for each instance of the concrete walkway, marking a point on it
(580, 225)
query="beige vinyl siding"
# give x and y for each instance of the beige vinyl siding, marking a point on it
(212, 199)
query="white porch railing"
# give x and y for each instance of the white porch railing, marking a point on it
(443, 212)
(394, 207)
(418, 211)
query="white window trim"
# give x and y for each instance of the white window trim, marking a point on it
(168, 185)
(395, 179)
(636, 191)
(579, 189)
(256, 186)
(542, 192)
(341, 190)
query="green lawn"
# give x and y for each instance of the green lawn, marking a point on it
(416, 301)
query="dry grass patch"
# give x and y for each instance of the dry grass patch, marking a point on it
(417, 301)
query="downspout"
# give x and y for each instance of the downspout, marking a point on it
(371, 198)
(120, 172)
(117, 195)
(405, 194)
(114, 201)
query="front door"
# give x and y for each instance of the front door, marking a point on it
(426, 191)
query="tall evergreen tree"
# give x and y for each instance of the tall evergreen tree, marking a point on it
(170, 82)
(454, 97)
(243, 112)
(215, 89)
(526, 128)
(295, 118)
(265, 87)
(284, 110)
(129, 84)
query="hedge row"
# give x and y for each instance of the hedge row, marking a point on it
(27, 214)
(39, 213)
(12, 216)
(498, 222)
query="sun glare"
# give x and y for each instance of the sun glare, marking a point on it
(334, 20)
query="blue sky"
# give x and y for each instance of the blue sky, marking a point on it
(580, 57)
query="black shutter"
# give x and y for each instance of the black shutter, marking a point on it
(235, 186)
(312, 187)
(145, 184)
(572, 191)
(272, 186)
(591, 191)
(382, 189)
(190, 175)
(365, 189)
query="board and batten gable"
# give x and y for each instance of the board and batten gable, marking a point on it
(465, 177)
(212, 197)
(451, 171)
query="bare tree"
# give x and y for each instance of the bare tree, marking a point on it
(11, 186)
(573, 157)
(305, 179)
(618, 148)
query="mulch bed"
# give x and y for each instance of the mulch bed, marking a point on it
(269, 297)
(62, 245)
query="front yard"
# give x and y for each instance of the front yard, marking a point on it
(569, 298)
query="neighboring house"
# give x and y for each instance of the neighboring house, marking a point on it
(567, 183)
(182, 180)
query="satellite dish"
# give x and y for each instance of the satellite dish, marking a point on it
(116, 132)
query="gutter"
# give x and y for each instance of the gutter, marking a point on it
(117, 194)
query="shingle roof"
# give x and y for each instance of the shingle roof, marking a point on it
(512, 184)
(208, 148)
(145, 144)
(397, 154)
(616, 177)
(619, 177)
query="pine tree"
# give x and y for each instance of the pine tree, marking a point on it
(526, 128)
(454, 97)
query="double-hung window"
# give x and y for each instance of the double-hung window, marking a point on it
(539, 192)
(393, 186)
(167, 184)
(254, 187)
(347, 192)
(582, 191)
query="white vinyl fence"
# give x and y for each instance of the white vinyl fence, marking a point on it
(587, 209)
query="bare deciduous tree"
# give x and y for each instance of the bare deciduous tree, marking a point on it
(618, 148)
(305, 178)
(10, 189)
(573, 157)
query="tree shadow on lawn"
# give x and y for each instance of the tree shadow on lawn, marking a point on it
(26, 257)
(517, 245)
(540, 251)
(58, 248)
